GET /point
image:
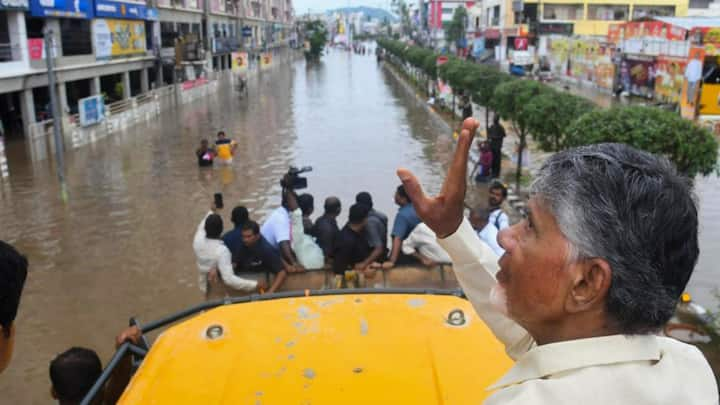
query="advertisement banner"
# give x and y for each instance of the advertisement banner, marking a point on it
(669, 78)
(36, 48)
(692, 82)
(118, 38)
(61, 8)
(521, 43)
(266, 60)
(640, 75)
(604, 67)
(14, 4)
(120, 9)
(91, 110)
(239, 61)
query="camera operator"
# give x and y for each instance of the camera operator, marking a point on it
(277, 229)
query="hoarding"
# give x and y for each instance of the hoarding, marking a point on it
(669, 78)
(120, 9)
(91, 110)
(118, 38)
(239, 61)
(61, 8)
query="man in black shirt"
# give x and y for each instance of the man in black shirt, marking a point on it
(205, 154)
(326, 229)
(496, 134)
(256, 255)
(351, 246)
(376, 229)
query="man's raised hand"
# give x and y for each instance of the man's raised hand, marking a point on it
(444, 212)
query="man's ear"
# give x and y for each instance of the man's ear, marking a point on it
(591, 280)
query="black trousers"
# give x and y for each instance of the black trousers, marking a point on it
(497, 159)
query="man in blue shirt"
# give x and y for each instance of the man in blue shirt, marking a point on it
(405, 221)
(233, 239)
(256, 255)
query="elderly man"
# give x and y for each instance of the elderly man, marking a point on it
(587, 279)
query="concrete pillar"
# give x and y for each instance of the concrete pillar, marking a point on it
(62, 97)
(27, 109)
(144, 86)
(126, 85)
(18, 37)
(95, 86)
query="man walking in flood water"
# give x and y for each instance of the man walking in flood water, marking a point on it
(587, 280)
(496, 135)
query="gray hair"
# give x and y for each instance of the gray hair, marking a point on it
(632, 209)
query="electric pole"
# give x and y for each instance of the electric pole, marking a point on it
(55, 107)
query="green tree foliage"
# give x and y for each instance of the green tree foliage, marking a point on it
(510, 101)
(400, 8)
(550, 115)
(317, 35)
(456, 29)
(692, 149)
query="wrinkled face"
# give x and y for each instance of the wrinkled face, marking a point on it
(534, 275)
(495, 197)
(249, 238)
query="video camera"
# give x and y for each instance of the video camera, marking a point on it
(294, 181)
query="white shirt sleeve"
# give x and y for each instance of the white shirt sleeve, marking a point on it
(199, 237)
(475, 265)
(228, 275)
(281, 228)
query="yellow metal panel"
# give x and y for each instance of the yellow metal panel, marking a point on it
(710, 99)
(349, 349)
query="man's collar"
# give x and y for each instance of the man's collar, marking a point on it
(546, 360)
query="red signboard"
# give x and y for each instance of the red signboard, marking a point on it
(492, 33)
(441, 60)
(36, 48)
(521, 44)
(645, 30)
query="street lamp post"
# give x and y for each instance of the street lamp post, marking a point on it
(55, 107)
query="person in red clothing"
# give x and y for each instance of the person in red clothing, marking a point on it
(483, 166)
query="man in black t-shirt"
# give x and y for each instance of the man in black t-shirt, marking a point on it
(256, 255)
(205, 154)
(351, 245)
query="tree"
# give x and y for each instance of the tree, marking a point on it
(317, 35)
(550, 115)
(693, 149)
(400, 8)
(484, 89)
(456, 29)
(510, 101)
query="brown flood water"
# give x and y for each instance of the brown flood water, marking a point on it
(121, 245)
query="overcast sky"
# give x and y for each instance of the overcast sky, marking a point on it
(302, 6)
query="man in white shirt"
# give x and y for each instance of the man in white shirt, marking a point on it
(277, 231)
(486, 231)
(587, 280)
(422, 243)
(497, 193)
(212, 254)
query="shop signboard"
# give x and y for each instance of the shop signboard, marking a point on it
(604, 67)
(61, 8)
(554, 29)
(521, 44)
(118, 38)
(246, 31)
(120, 9)
(669, 78)
(14, 4)
(640, 74)
(239, 61)
(91, 110)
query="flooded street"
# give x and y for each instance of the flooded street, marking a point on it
(122, 243)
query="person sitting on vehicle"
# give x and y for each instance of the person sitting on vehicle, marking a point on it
(351, 247)
(405, 221)
(326, 228)
(487, 232)
(277, 231)
(233, 239)
(307, 251)
(422, 244)
(205, 154)
(13, 272)
(306, 202)
(225, 148)
(256, 255)
(497, 193)
(73, 373)
(213, 257)
(376, 229)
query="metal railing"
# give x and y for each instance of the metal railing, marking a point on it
(141, 352)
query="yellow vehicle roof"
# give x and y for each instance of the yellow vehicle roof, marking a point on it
(338, 349)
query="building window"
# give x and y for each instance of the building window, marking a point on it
(5, 47)
(563, 12)
(608, 12)
(75, 36)
(653, 11)
(167, 34)
(700, 3)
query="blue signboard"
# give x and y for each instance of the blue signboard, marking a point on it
(91, 110)
(61, 8)
(152, 14)
(120, 9)
(247, 31)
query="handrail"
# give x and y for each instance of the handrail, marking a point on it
(142, 352)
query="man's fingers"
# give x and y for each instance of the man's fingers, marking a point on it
(413, 188)
(454, 186)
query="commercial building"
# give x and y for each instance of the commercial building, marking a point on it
(120, 49)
